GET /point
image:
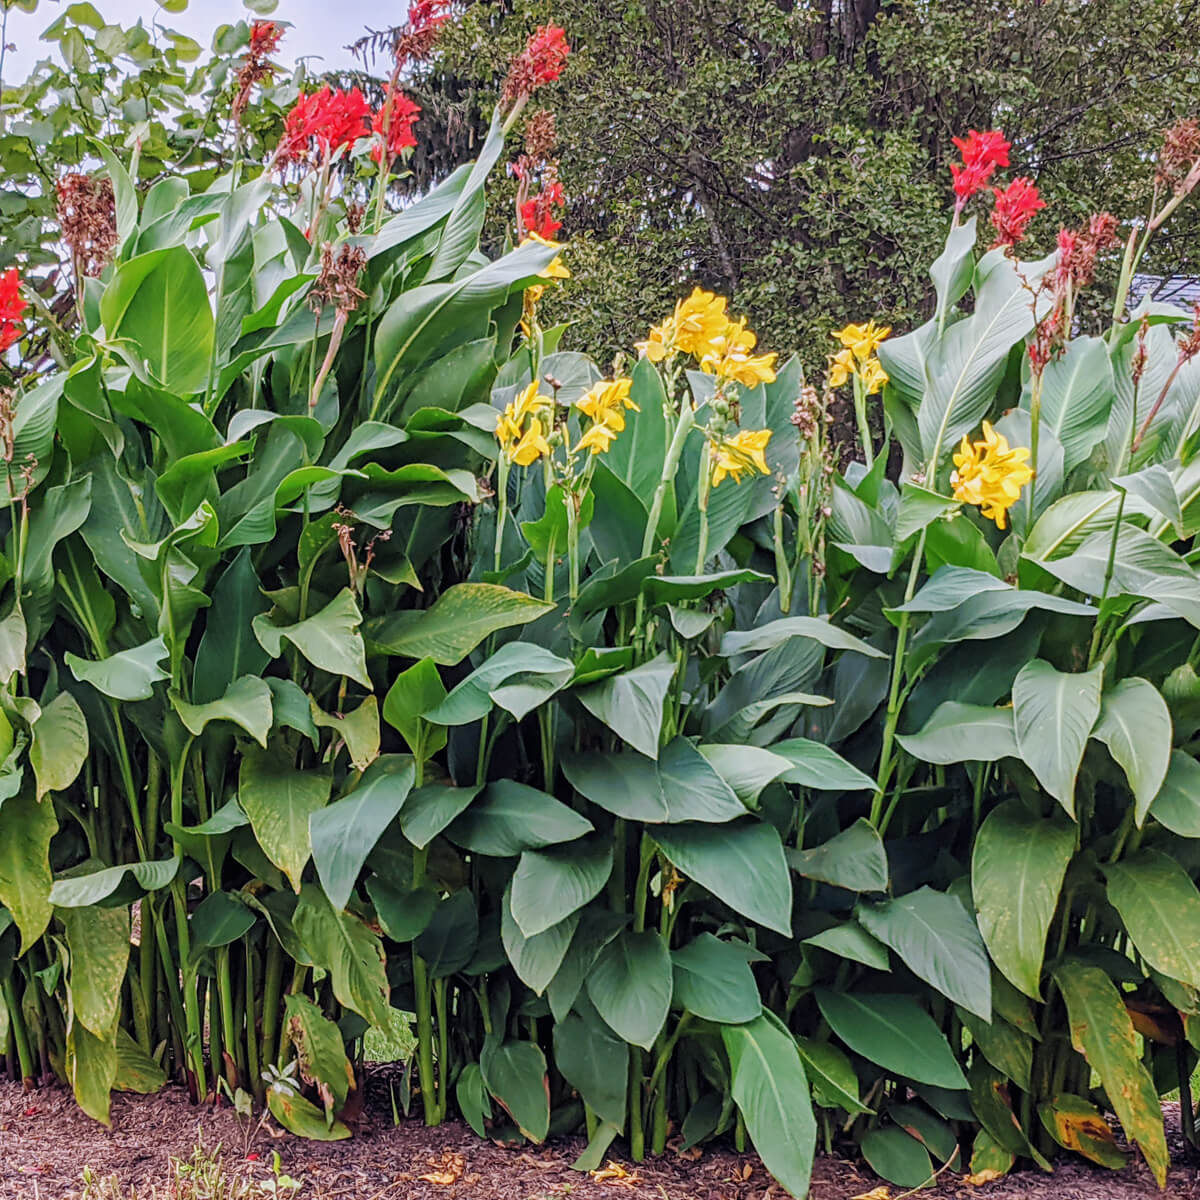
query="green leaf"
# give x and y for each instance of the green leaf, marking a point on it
(774, 633)
(594, 1062)
(893, 1032)
(678, 589)
(414, 693)
(319, 1051)
(741, 863)
(1135, 725)
(630, 984)
(769, 1087)
(547, 536)
(1101, 1030)
(60, 744)
(1007, 1049)
(246, 703)
(136, 1070)
(461, 618)
(98, 939)
(81, 891)
(897, 1156)
(228, 649)
(1177, 805)
(964, 733)
(510, 818)
(851, 940)
(552, 883)
(279, 800)
(831, 1073)
(815, 765)
(1017, 869)
(472, 1097)
(448, 942)
(1054, 712)
(747, 769)
(160, 302)
(517, 678)
(853, 859)
(937, 940)
(1077, 393)
(714, 981)
(1160, 906)
(403, 913)
(631, 704)
(126, 675)
(220, 919)
(91, 1070)
(536, 960)
(329, 639)
(681, 786)
(349, 951)
(342, 834)
(302, 1117)
(357, 730)
(515, 1074)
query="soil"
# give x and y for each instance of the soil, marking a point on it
(45, 1142)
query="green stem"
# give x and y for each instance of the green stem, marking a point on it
(272, 988)
(16, 1020)
(860, 417)
(641, 888)
(443, 1035)
(703, 488)
(424, 1014)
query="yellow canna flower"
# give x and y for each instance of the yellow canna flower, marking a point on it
(508, 428)
(605, 402)
(692, 329)
(990, 475)
(841, 368)
(730, 357)
(873, 376)
(600, 437)
(557, 269)
(863, 340)
(530, 403)
(743, 452)
(532, 445)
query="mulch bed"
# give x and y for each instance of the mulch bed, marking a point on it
(45, 1142)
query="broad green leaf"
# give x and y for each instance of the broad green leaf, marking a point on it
(302, 1117)
(631, 704)
(747, 769)
(357, 730)
(246, 703)
(1077, 393)
(98, 939)
(60, 744)
(515, 1074)
(319, 1051)
(26, 828)
(403, 913)
(1177, 805)
(595, 928)
(893, 1032)
(517, 678)
(1135, 725)
(472, 1097)
(160, 301)
(964, 733)
(897, 1156)
(1076, 1124)
(937, 939)
(342, 834)
(630, 984)
(279, 800)
(349, 951)
(1017, 869)
(816, 765)
(81, 891)
(1006, 1048)
(681, 786)
(228, 649)
(126, 675)
(678, 589)
(430, 809)
(550, 884)
(91, 1070)
(1160, 906)
(714, 981)
(595, 1062)
(136, 1070)
(741, 863)
(831, 1073)
(220, 919)
(448, 942)
(1054, 712)
(770, 635)
(536, 959)
(414, 693)
(769, 1087)
(510, 818)
(329, 639)
(851, 940)
(1103, 1033)
(853, 859)
(461, 618)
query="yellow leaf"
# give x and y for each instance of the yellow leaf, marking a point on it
(879, 1193)
(446, 1170)
(982, 1177)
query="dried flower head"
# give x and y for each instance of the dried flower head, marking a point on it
(87, 216)
(541, 62)
(419, 34)
(1141, 353)
(337, 284)
(8, 412)
(807, 413)
(541, 135)
(1179, 154)
(355, 215)
(1078, 251)
(264, 41)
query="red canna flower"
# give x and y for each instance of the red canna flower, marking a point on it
(1016, 205)
(541, 62)
(321, 124)
(12, 309)
(425, 19)
(399, 123)
(982, 154)
(536, 215)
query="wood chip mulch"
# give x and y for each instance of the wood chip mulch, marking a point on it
(45, 1143)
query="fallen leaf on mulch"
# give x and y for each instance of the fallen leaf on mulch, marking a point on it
(446, 1170)
(879, 1193)
(613, 1172)
(990, 1175)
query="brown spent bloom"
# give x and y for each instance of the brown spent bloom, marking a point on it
(541, 135)
(355, 214)
(8, 411)
(1179, 154)
(337, 284)
(87, 215)
(808, 414)
(264, 41)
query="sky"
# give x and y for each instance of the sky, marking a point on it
(320, 28)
